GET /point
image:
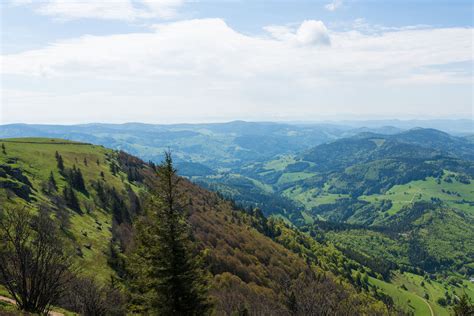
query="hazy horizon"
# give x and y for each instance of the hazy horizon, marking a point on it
(276, 121)
(453, 126)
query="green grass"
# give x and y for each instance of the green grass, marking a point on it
(279, 164)
(311, 198)
(4, 292)
(36, 157)
(8, 309)
(307, 218)
(262, 186)
(408, 301)
(40, 140)
(424, 190)
(293, 177)
(435, 289)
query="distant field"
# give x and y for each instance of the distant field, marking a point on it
(408, 301)
(292, 177)
(402, 195)
(279, 164)
(418, 287)
(311, 198)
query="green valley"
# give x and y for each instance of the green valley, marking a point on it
(391, 215)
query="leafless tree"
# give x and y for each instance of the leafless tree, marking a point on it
(34, 264)
(86, 297)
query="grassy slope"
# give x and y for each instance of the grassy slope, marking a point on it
(279, 164)
(37, 159)
(424, 190)
(410, 302)
(417, 287)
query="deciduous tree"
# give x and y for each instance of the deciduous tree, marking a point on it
(34, 264)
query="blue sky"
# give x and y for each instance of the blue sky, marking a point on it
(160, 61)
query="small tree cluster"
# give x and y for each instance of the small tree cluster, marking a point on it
(71, 199)
(75, 179)
(50, 186)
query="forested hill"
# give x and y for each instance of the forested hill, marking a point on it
(257, 266)
(415, 143)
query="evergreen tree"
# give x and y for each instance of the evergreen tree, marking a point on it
(464, 307)
(4, 150)
(164, 260)
(79, 181)
(75, 179)
(85, 161)
(52, 182)
(101, 194)
(71, 199)
(113, 168)
(60, 161)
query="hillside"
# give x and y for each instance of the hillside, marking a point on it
(401, 202)
(247, 256)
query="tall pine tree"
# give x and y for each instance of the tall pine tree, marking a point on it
(464, 307)
(52, 185)
(60, 161)
(71, 199)
(164, 264)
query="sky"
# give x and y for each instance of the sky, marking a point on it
(174, 61)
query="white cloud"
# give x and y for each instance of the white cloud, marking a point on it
(104, 9)
(313, 33)
(197, 67)
(334, 5)
(211, 47)
(280, 32)
(310, 32)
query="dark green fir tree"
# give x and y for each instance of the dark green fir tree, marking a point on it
(165, 262)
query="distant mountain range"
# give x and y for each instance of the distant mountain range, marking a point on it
(398, 202)
(222, 145)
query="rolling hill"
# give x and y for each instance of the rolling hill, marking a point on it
(403, 201)
(247, 255)
(396, 206)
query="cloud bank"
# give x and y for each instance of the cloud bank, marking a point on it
(204, 67)
(104, 9)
